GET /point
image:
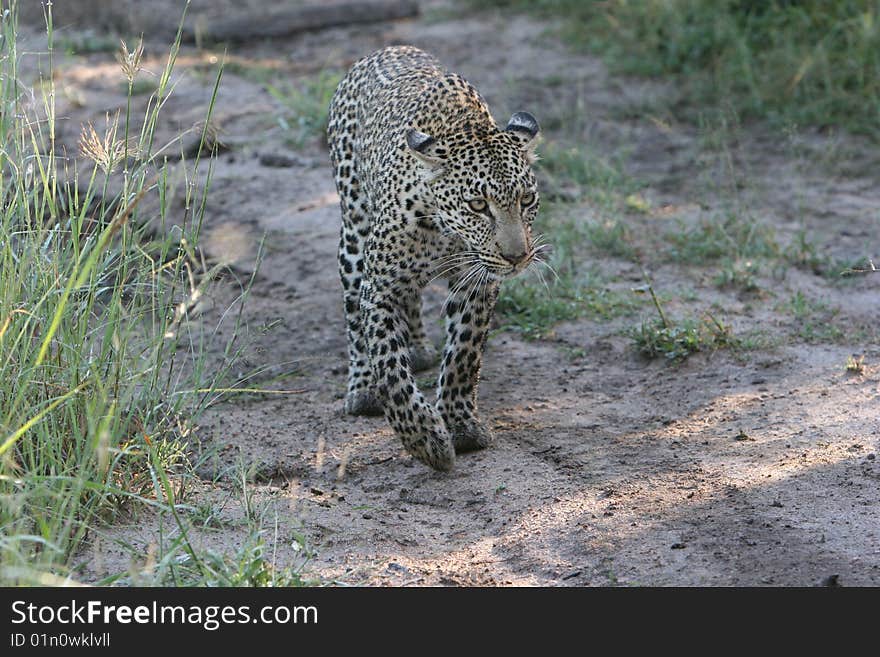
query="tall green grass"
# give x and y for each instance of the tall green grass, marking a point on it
(811, 62)
(101, 373)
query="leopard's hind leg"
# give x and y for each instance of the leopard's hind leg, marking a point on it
(361, 397)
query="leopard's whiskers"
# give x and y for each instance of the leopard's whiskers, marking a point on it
(546, 264)
(449, 263)
(449, 270)
(461, 283)
(455, 256)
(452, 257)
(474, 286)
(540, 274)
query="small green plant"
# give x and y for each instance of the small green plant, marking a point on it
(248, 567)
(305, 105)
(574, 353)
(675, 341)
(637, 203)
(802, 252)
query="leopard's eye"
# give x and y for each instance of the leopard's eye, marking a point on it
(526, 199)
(478, 205)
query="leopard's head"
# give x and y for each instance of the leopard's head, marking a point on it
(484, 191)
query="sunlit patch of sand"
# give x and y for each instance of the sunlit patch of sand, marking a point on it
(230, 243)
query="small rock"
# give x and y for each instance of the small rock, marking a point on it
(831, 581)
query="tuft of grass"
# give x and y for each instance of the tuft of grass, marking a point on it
(172, 561)
(757, 339)
(809, 62)
(676, 340)
(305, 105)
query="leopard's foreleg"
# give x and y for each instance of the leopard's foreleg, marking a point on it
(468, 314)
(415, 420)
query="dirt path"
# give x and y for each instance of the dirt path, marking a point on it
(732, 468)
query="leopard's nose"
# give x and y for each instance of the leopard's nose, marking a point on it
(515, 257)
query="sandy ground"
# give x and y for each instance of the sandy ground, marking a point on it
(747, 468)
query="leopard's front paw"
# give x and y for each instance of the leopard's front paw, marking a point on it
(431, 444)
(438, 452)
(424, 356)
(363, 402)
(470, 435)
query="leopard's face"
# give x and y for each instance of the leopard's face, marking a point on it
(485, 192)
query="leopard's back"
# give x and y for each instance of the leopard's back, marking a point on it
(387, 93)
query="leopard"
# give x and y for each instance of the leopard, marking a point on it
(430, 188)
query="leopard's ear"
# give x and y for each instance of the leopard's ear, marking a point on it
(425, 148)
(525, 128)
(429, 153)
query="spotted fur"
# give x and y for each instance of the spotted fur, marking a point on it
(430, 187)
